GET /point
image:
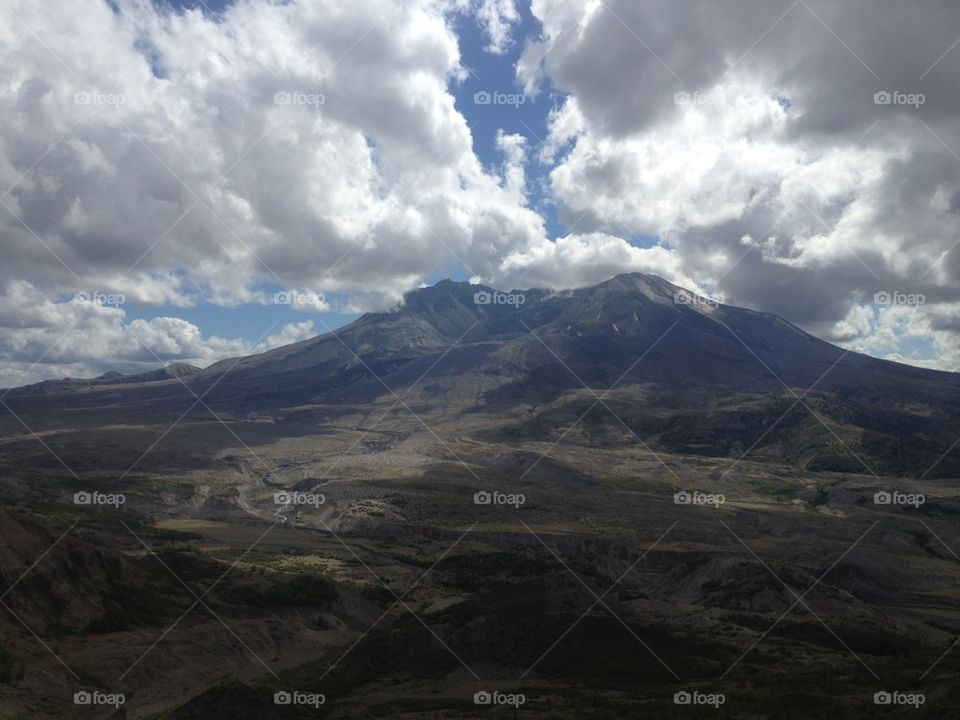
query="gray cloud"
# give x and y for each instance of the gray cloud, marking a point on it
(774, 177)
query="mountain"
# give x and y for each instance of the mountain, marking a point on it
(681, 373)
(111, 377)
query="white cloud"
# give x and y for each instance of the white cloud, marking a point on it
(42, 339)
(902, 334)
(582, 260)
(498, 16)
(303, 144)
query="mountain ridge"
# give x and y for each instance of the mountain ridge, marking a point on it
(678, 371)
(446, 327)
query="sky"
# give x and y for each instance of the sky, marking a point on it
(188, 181)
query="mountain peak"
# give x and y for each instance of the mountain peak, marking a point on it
(468, 294)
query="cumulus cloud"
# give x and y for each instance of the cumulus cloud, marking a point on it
(796, 159)
(301, 144)
(498, 17)
(583, 260)
(89, 334)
